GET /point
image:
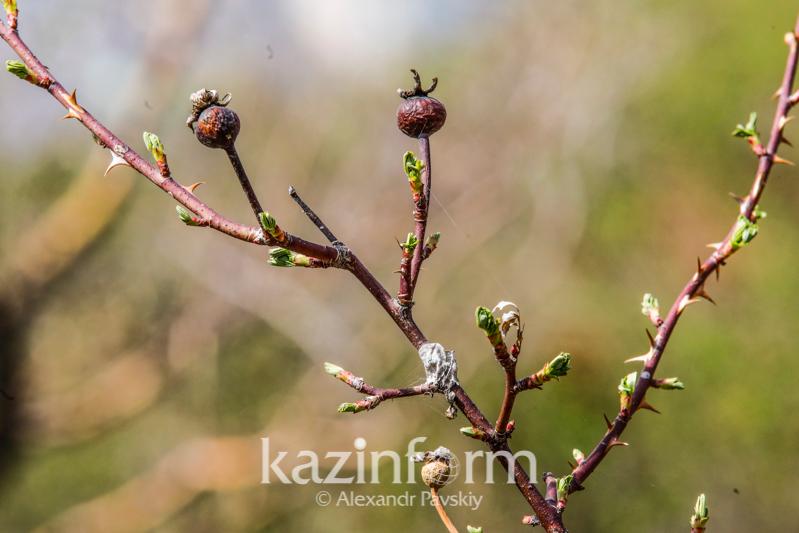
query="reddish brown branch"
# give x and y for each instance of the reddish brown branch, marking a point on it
(409, 247)
(694, 289)
(508, 399)
(412, 259)
(328, 255)
(420, 213)
(170, 186)
(244, 181)
(375, 395)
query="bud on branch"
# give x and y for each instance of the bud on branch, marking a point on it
(650, 308)
(413, 169)
(18, 69)
(281, 257)
(156, 148)
(701, 515)
(555, 369)
(745, 231)
(11, 13)
(489, 324)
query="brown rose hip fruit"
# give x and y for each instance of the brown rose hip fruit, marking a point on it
(419, 114)
(216, 125)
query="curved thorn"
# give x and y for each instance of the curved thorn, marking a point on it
(701, 293)
(648, 406)
(116, 161)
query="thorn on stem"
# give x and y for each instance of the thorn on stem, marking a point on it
(643, 358)
(651, 339)
(116, 161)
(191, 188)
(648, 406)
(702, 293)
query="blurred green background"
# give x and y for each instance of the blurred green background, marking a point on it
(586, 160)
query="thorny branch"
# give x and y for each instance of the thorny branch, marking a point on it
(548, 508)
(694, 290)
(329, 255)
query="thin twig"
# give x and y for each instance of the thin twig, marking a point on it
(244, 181)
(508, 399)
(442, 512)
(375, 395)
(421, 211)
(313, 216)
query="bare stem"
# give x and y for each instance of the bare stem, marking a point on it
(508, 399)
(313, 216)
(421, 211)
(376, 395)
(442, 513)
(244, 180)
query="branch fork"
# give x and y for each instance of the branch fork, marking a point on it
(439, 364)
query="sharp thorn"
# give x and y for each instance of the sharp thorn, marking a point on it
(607, 421)
(72, 101)
(116, 161)
(714, 245)
(783, 121)
(780, 161)
(651, 339)
(702, 293)
(649, 407)
(71, 113)
(643, 358)
(739, 199)
(193, 186)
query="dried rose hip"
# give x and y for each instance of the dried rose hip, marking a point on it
(216, 125)
(419, 114)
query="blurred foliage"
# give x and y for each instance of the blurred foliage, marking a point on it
(586, 160)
